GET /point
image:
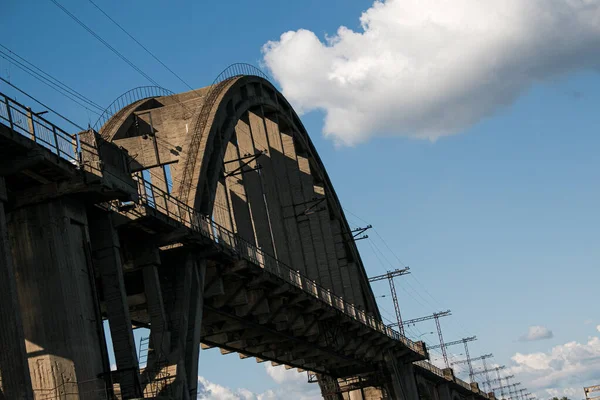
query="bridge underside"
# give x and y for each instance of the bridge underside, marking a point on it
(261, 312)
(84, 239)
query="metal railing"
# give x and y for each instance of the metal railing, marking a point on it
(127, 98)
(164, 203)
(31, 125)
(430, 367)
(67, 146)
(463, 384)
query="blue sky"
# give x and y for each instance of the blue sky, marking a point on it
(498, 221)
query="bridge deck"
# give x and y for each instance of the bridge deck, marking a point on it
(254, 304)
(257, 306)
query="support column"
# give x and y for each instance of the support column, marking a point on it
(15, 382)
(107, 259)
(56, 292)
(179, 301)
(330, 388)
(192, 348)
(404, 383)
(443, 389)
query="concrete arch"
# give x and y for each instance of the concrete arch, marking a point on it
(248, 114)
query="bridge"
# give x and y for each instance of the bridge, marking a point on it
(206, 217)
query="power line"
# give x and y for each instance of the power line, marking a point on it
(51, 78)
(43, 80)
(105, 43)
(141, 45)
(42, 104)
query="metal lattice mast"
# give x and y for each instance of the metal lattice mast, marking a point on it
(421, 319)
(523, 393)
(487, 374)
(502, 387)
(471, 375)
(485, 370)
(514, 391)
(390, 275)
(468, 360)
(442, 345)
(445, 345)
(500, 381)
(396, 305)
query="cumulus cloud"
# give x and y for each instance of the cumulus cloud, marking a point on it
(564, 367)
(430, 68)
(598, 328)
(537, 332)
(293, 385)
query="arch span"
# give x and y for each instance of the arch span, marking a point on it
(245, 158)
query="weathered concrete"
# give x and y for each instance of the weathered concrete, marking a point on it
(61, 321)
(107, 259)
(15, 382)
(279, 279)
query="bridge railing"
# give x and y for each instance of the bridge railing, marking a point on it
(430, 367)
(165, 203)
(67, 146)
(463, 384)
(35, 127)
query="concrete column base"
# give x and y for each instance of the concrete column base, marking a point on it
(61, 322)
(15, 382)
(403, 382)
(107, 259)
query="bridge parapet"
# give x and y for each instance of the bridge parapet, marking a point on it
(172, 207)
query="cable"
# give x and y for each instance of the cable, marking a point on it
(42, 104)
(105, 43)
(43, 80)
(57, 82)
(141, 45)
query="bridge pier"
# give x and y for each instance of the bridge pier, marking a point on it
(62, 324)
(107, 259)
(403, 381)
(174, 294)
(15, 382)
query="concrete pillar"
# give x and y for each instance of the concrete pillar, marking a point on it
(107, 259)
(15, 382)
(444, 390)
(404, 383)
(56, 288)
(181, 288)
(160, 337)
(192, 348)
(330, 388)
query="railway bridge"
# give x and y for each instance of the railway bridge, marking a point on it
(206, 217)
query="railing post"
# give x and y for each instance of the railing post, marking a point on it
(30, 123)
(10, 121)
(56, 140)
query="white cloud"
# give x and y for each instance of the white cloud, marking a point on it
(561, 370)
(430, 68)
(281, 375)
(598, 328)
(537, 332)
(293, 385)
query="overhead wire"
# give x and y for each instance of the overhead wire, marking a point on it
(32, 68)
(45, 81)
(42, 104)
(105, 43)
(141, 45)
